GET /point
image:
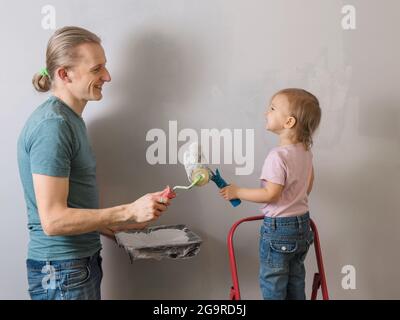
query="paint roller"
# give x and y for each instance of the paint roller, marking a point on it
(198, 173)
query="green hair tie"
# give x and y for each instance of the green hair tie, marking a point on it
(44, 72)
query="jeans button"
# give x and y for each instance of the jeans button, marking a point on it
(283, 248)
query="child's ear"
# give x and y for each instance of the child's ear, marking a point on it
(290, 122)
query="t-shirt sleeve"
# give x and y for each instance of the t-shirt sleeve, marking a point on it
(51, 148)
(274, 169)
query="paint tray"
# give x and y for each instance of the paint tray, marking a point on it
(167, 241)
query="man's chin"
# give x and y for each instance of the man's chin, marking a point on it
(96, 97)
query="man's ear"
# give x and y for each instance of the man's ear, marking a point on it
(63, 74)
(290, 122)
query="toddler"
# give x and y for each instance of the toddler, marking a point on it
(286, 181)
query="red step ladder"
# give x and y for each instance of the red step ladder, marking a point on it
(319, 280)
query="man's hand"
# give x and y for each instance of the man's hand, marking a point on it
(147, 208)
(229, 192)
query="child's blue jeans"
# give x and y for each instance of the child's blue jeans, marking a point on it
(284, 243)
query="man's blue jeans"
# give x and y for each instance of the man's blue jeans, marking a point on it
(77, 279)
(284, 243)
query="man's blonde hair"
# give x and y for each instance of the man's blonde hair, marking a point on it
(304, 107)
(61, 53)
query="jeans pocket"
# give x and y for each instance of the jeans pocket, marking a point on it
(42, 280)
(76, 277)
(280, 253)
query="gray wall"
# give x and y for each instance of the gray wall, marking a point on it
(214, 64)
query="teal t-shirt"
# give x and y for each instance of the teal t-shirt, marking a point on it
(54, 142)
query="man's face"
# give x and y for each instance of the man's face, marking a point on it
(89, 73)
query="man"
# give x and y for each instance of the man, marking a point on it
(58, 174)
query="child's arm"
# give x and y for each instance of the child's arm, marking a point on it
(271, 193)
(310, 184)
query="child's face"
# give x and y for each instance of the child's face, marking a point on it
(278, 114)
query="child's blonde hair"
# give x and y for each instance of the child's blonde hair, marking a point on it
(304, 107)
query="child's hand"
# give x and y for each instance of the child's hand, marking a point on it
(229, 192)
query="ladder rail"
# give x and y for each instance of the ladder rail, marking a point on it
(319, 278)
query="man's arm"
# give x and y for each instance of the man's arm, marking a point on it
(58, 219)
(271, 193)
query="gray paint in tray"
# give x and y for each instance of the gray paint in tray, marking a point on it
(169, 241)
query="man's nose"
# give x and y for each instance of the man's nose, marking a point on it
(106, 77)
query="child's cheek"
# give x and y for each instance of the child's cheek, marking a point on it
(268, 123)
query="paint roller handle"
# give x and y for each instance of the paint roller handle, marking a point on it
(221, 183)
(235, 202)
(168, 193)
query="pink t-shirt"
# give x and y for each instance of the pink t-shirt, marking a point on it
(290, 166)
